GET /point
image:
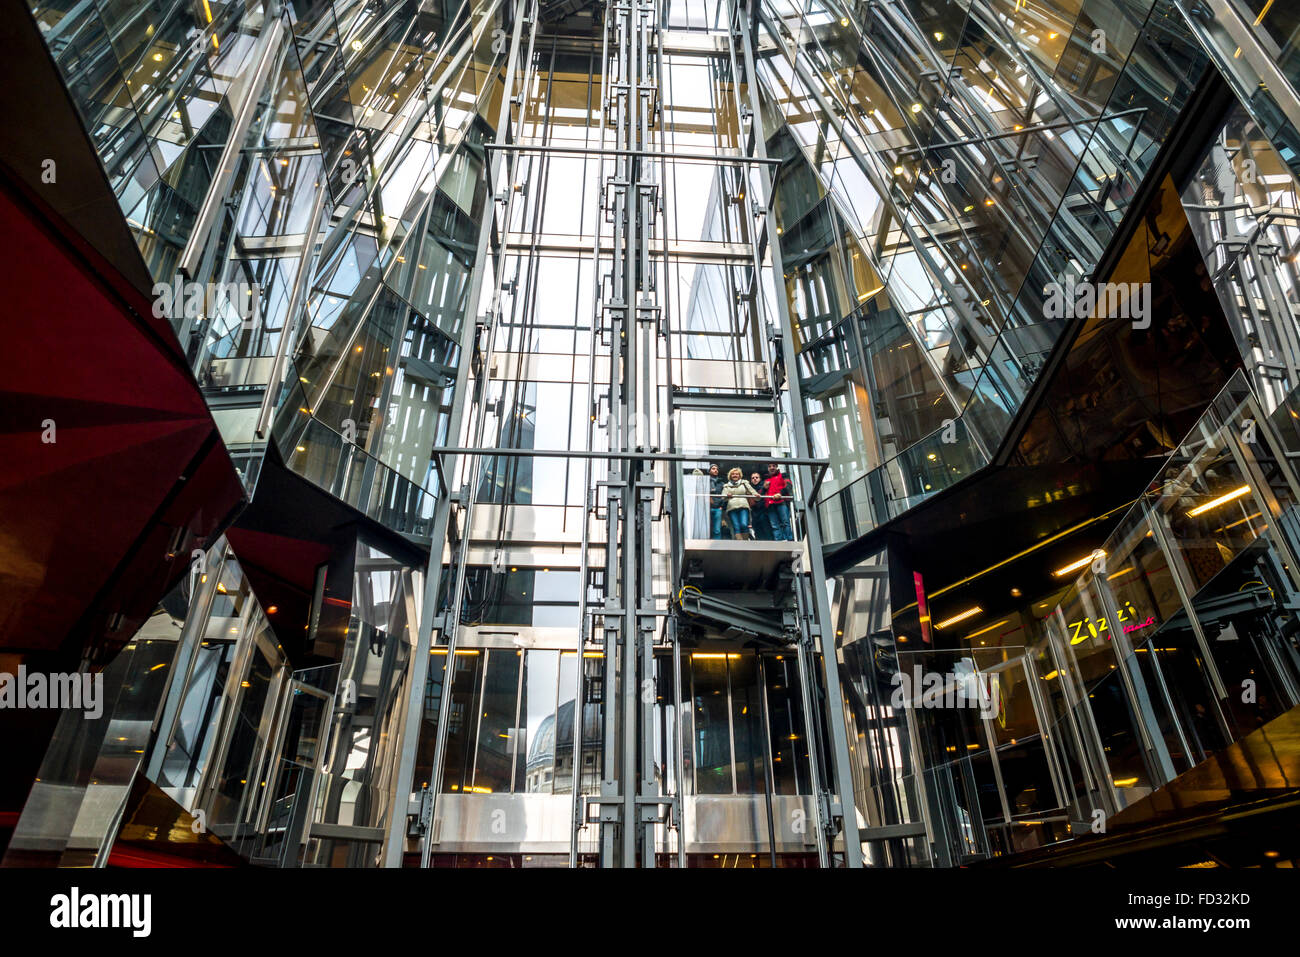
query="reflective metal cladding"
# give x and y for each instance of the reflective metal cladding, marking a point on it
(748, 433)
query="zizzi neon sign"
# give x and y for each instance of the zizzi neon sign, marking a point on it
(1097, 628)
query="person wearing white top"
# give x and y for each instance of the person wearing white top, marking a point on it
(737, 493)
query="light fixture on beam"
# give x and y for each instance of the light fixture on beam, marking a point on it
(1075, 566)
(1224, 499)
(968, 613)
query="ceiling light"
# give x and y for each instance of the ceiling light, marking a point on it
(1075, 566)
(968, 613)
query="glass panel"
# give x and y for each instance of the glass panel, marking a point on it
(747, 722)
(538, 710)
(494, 755)
(462, 720)
(788, 738)
(712, 725)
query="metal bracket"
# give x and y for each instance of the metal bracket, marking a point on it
(610, 808)
(421, 812)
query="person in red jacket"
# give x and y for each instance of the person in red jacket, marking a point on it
(776, 501)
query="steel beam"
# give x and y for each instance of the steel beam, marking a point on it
(820, 606)
(433, 578)
(265, 57)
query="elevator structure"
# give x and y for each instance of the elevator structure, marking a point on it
(608, 683)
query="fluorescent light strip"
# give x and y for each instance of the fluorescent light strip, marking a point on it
(1236, 493)
(1075, 566)
(1241, 521)
(984, 631)
(968, 613)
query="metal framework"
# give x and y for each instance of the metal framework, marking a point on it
(632, 488)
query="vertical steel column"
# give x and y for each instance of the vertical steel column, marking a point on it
(818, 613)
(499, 163)
(612, 849)
(501, 176)
(629, 791)
(591, 495)
(182, 668)
(614, 105)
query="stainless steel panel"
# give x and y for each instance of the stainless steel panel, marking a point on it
(504, 824)
(96, 815)
(726, 560)
(735, 823)
(48, 816)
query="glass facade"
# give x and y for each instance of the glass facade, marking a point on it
(645, 410)
(1172, 645)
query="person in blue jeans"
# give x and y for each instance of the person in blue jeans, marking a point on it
(738, 492)
(776, 497)
(717, 504)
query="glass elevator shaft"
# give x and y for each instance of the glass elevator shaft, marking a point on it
(610, 682)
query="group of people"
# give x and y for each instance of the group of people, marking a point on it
(751, 508)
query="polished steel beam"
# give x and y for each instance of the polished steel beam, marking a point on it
(818, 611)
(265, 56)
(434, 574)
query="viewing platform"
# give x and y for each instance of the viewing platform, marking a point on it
(736, 565)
